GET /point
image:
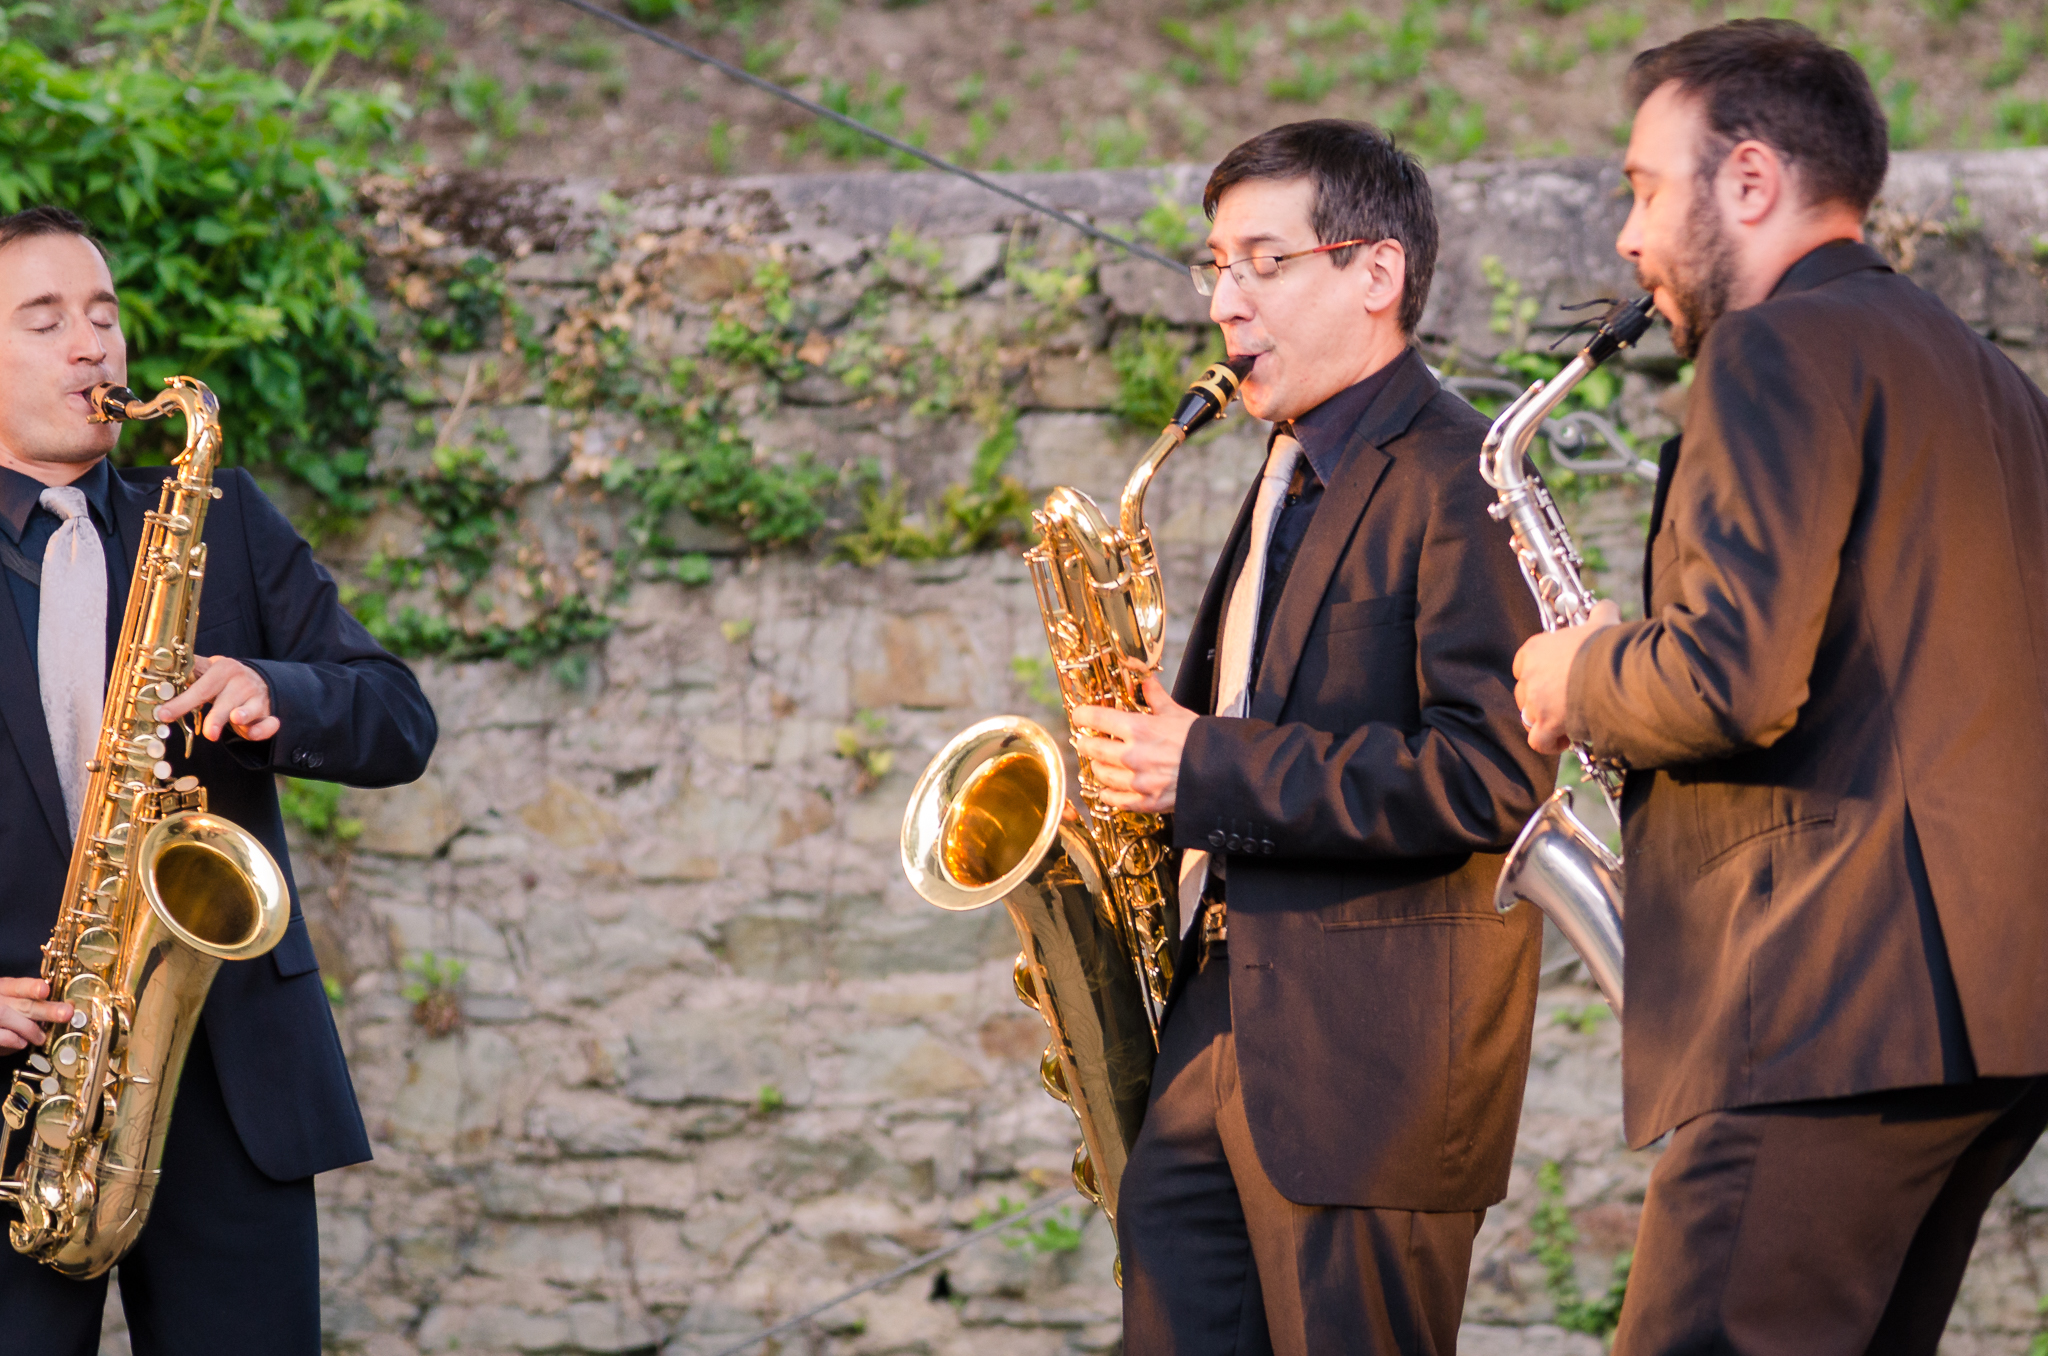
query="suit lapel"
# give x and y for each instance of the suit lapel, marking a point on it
(1667, 467)
(132, 503)
(21, 705)
(1330, 531)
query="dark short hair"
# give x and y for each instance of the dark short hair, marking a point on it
(1366, 188)
(34, 221)
(1775, 81)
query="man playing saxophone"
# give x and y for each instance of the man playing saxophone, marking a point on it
(288, 683)
(1835, 717)
(1342, 1061)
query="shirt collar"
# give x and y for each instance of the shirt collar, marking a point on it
(20, 494)
(1824, 263)
(1325, 431)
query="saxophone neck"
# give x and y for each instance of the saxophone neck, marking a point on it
(183, 396)
(1131, 510)
(1205, 400)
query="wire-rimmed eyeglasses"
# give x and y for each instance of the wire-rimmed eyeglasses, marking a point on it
(1254, 269)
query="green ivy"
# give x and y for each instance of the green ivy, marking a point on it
(1153, 370)
(316, 808)
(991, 510)
(1555, 1235)
(221, 191)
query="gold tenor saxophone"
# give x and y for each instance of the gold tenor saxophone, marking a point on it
(159, 894)
(1094, 899)
(1557, 863)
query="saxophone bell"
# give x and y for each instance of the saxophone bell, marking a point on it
(1094, 898)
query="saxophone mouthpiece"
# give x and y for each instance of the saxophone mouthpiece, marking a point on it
(1211, 393)
(1620, 327)
(109, 402)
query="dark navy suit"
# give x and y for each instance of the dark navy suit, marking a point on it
(229, 1261)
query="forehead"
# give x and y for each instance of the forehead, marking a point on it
(1264, 211)
(66, 266)
(1666, 135)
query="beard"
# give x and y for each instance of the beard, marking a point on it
(1700, 280)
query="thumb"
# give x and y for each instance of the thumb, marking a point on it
(1606, 612)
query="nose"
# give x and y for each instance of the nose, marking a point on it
(1228, 302)
(1629, 244)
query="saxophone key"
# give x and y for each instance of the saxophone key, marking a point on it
(57, 1121)
(21, 1099)
(1052, 1075)
(97, 949)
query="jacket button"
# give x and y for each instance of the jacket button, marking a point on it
(1216, 838)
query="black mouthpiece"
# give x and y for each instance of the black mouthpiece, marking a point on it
(1619, 328)
(109, 402)
(1212, 391)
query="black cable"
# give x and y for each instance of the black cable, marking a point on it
(819, 110)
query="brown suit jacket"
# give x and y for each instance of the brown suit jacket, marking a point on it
(1381, 1008)
(1837, 709)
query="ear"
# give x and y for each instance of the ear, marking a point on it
(1385, 263)
(1753, 182)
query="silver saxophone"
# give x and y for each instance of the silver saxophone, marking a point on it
(1557, 864)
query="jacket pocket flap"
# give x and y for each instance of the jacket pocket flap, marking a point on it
(293, 954)
(1364, 612)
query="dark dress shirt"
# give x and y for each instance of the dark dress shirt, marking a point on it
(1322, 433)
(29, 526)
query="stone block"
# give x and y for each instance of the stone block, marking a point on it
(550, 1191)
(922, 660)
(454, 1093)
(971, 260)
(497, 1327)
(1140, 287)
(1072, 381)
(1092, 452)
(715, 1056)
(1478, 1339)
(415, 820)
(905, 1062)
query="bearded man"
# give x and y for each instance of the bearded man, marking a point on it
(1835, 714)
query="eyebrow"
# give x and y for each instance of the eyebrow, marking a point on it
(52, 299)
(1263, 238)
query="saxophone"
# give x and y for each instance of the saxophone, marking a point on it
(1095, 898)
(1557, 863)
(159, 894)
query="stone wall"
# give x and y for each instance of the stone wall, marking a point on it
(715, 1061)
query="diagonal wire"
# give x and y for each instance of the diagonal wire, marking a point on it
(817, 109)
(796, 1320)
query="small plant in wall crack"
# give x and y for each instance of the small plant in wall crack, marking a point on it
(861, 744)
(435, 992)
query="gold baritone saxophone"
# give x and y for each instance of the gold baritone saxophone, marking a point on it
(159, 894)
(1094, 897)
(1557, 864)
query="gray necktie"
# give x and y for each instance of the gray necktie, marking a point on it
(1240, 629)
(71, 640)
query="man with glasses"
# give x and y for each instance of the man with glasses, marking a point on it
(1336, 1100)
